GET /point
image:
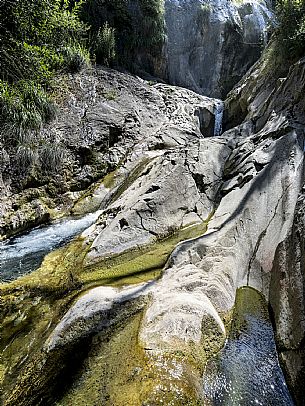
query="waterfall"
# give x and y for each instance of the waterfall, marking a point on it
(262, 14)
(218, 113)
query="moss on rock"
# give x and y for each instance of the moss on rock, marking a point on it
(32, 306)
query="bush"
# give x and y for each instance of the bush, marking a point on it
(75, 57)
(26, 158)
(23, 61)
(51, 157)
(24, 107)
(38, 38)
(104, 45)
(291, 29)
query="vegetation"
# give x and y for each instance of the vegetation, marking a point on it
(105, 45)
(291, 28)
(126, 30)
(38, 39)
(41, 38)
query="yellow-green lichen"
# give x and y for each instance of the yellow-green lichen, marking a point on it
(94, 195)
(92, 198)
(148, 258)
(118, 371)
(32, 305)
(248, 301)
(130, 179)
(26, 321)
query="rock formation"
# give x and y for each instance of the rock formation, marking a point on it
(211, 44)
(131, 311)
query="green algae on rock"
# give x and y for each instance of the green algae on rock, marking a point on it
(120, 371)
(151, 257)
(32, 305)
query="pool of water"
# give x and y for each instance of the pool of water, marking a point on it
(23, 254)
(247, 371)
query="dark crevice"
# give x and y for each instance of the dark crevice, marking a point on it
(258, 166)
(143, 226)
(152, 189)
(206, 121)
(115, 133)
(123, 223)
(199, 180)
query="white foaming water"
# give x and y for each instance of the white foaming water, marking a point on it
(23, 254)
(219, 109)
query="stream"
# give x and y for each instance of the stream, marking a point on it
(23, 254)
(247, 371)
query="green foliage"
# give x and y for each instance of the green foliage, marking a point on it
(137, 26)
(26, 158)
(51, 157)
(38, 63)
(35, 36)
(104, 45)
(75, 57)
(24, 107)
(291, 29)
(38, 38)
(41, 22)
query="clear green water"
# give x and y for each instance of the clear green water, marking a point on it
(247, 371)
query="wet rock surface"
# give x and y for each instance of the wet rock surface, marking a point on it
(172, 178)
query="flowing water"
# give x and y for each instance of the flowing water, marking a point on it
(219, 109)
(23, 254)
(247, 371)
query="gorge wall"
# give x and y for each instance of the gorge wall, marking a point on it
(203, 45)
(211, 44)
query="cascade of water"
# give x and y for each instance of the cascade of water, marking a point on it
(218, 113)
(23, 254)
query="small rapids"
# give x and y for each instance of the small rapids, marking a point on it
(23, 254)
(247, 371)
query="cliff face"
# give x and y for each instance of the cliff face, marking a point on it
(287, 300)
(268, 92)
(211, 44)
(203, 45)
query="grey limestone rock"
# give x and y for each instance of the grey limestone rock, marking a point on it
(211, 44)
(287, 299)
